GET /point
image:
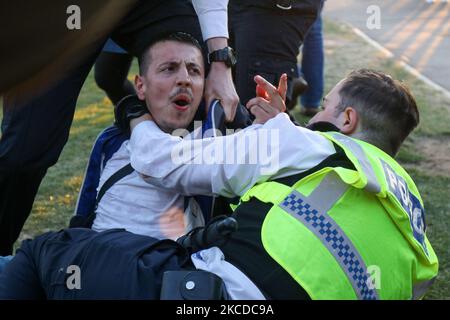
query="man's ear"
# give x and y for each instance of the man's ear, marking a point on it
(140, 87)
(350, 121)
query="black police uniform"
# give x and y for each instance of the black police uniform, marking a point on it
(266, 35)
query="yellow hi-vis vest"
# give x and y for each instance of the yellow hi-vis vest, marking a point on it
(346, 234)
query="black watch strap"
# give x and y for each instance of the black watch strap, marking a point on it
(225, 55)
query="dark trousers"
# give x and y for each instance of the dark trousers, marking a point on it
(114, 264)
(35, 131)
(111, 71)
(267, 40)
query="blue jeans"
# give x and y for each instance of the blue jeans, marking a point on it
(111, 46)
(4, 261)
(312, 65)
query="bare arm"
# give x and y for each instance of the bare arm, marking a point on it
(212, 15)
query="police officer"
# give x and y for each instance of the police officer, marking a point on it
(352, 226)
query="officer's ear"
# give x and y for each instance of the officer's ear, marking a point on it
(140, 87)
(350, 120)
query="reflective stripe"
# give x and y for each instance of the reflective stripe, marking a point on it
(372, 181)
(312, 213)
(420, 288)
(327, 193)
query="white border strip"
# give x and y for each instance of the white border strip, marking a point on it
(403, 64)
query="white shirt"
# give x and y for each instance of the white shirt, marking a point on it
(290, 150)
(238, 285)
(141, 208)
(212, 15)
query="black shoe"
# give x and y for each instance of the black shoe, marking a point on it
(299, 86)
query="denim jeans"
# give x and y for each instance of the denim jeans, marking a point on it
(4, 261)
(313, 65)
(111, 46)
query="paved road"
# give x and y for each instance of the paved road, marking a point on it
(414, 31)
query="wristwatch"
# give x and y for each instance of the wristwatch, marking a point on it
(225, 55)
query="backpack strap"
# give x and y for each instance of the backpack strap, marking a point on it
(79, 221)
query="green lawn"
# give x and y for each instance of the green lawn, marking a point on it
(426, 154)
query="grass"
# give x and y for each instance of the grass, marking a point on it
(345, 51)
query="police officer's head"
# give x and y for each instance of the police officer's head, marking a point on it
(373, 107)
(171, 80)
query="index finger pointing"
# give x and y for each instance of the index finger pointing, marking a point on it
(266, 85)
(282, 86)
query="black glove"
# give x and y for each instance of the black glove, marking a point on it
(130, 107)
(215, 233)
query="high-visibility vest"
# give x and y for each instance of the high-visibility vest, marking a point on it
(350, 234)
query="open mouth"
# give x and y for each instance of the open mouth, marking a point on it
(181, 102)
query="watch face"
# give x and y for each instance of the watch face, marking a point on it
(233, 59)
(225, 55)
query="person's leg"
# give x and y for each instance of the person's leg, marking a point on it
(313, 67)
(19, 279)
(4, 260)
(150, 19)
(34, 131)
(267, 42)
(111, 71)
(83, 264)
(18, 190)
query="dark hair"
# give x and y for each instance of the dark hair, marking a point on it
(144, 57)
(387, 109)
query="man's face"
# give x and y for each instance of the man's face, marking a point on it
(329, 112)
(172, 85)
